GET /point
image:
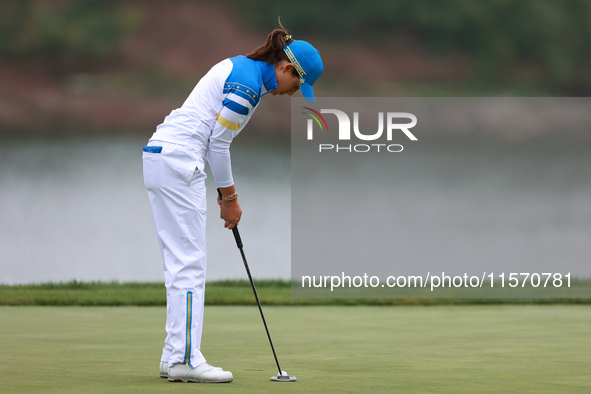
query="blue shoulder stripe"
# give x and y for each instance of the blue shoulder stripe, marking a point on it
(242, 91)
(234, 106)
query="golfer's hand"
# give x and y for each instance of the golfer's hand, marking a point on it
(230, 213)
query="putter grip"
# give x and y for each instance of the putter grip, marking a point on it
(235, 229)
(237, 237)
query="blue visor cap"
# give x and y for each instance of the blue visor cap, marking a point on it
(307, 62)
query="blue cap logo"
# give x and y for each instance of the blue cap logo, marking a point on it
(307, 62)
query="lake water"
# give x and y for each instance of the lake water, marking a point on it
(77, 208)
(448, 205)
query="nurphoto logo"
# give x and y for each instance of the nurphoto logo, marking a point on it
(393, 125)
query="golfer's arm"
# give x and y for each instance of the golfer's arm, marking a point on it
(221, 165)
(218, 155)
(228, 125)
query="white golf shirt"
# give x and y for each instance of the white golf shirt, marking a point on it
(215, 112)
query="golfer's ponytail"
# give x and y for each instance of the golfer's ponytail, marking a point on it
(272, 50)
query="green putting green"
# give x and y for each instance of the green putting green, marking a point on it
(340, 349)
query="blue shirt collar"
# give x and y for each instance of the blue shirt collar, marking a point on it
(269, 80)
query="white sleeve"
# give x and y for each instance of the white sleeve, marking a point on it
(233, 116)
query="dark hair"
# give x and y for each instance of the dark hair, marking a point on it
(272, 50)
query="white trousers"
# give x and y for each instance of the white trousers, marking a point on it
(175, 182)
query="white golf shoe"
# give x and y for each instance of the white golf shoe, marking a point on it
(203, 373)
(163, 369)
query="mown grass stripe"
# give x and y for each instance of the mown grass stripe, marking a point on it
(271, 292)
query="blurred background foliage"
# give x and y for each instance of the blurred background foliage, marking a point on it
(67, 35)
(497, 34)
(108, 64)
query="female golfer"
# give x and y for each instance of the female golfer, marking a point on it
(202, 129)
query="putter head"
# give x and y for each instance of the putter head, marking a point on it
(283, 377)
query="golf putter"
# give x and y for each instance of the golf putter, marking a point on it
(282, 376)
